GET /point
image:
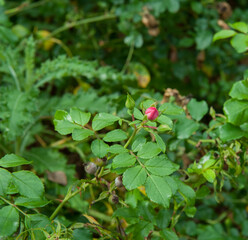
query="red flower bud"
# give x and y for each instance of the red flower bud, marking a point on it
(151, 113)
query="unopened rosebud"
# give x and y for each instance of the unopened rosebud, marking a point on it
(118, 181)
(90, 168)
(164, 128)
(151, 113)
(113, 199)
(130, 103)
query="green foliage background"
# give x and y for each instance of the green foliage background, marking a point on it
(62, 55)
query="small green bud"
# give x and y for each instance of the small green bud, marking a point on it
(164, 128)
(130, 103)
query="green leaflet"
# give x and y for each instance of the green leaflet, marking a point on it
(161, 166)
(149, 150)
(123, 160)
(28, 184)
(9, 221)
(99, 148)
(158, 190)
(5, 179)
(240, 90)
(134, 177)
(81, 134)
(12, 160)
(79, 116)
(236, 111)
(102, 120)
(197, 109)
(185, 128)
(115, 136)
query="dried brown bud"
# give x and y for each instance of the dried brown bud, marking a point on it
(90, 168)
(118, 181)
(113, 199)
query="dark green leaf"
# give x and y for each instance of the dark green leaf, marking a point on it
(170, 109)
(30, 202)
(230, 132)
(161, 166)
(116, 148)
(160, 142)
(240, 90)
(203, 39)
(169, 234)
(158, 190)
(185, 128)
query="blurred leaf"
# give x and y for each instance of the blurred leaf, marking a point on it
(141, 72)
(9, 221)
(230, 132)
(170, 109)
(240, 26)
(203, 39)
(79, 116)
(210, 175)
(236, 111)
(240, 90)
(185, 127)
(81, 134)
(240, 42)
(5, 179)
(115, 136)
(12, 160)
(224, 34)
(160, 142)
(197, 109)
(169, 234)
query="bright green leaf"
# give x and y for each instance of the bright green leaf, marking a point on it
(149, 150)
(102, 120)
(5, 179)
(240, 90)
(134, 177)
(160, 142)
(236, 111)
(209, 174)
(240, 26)
(79, 116)
(223, 34)
(240, 42)
(99, 148)
(28, 184)
(12, 160)
(116, 148)
(123, 160)
(81, 134)
(9, 221)
(115, 136)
